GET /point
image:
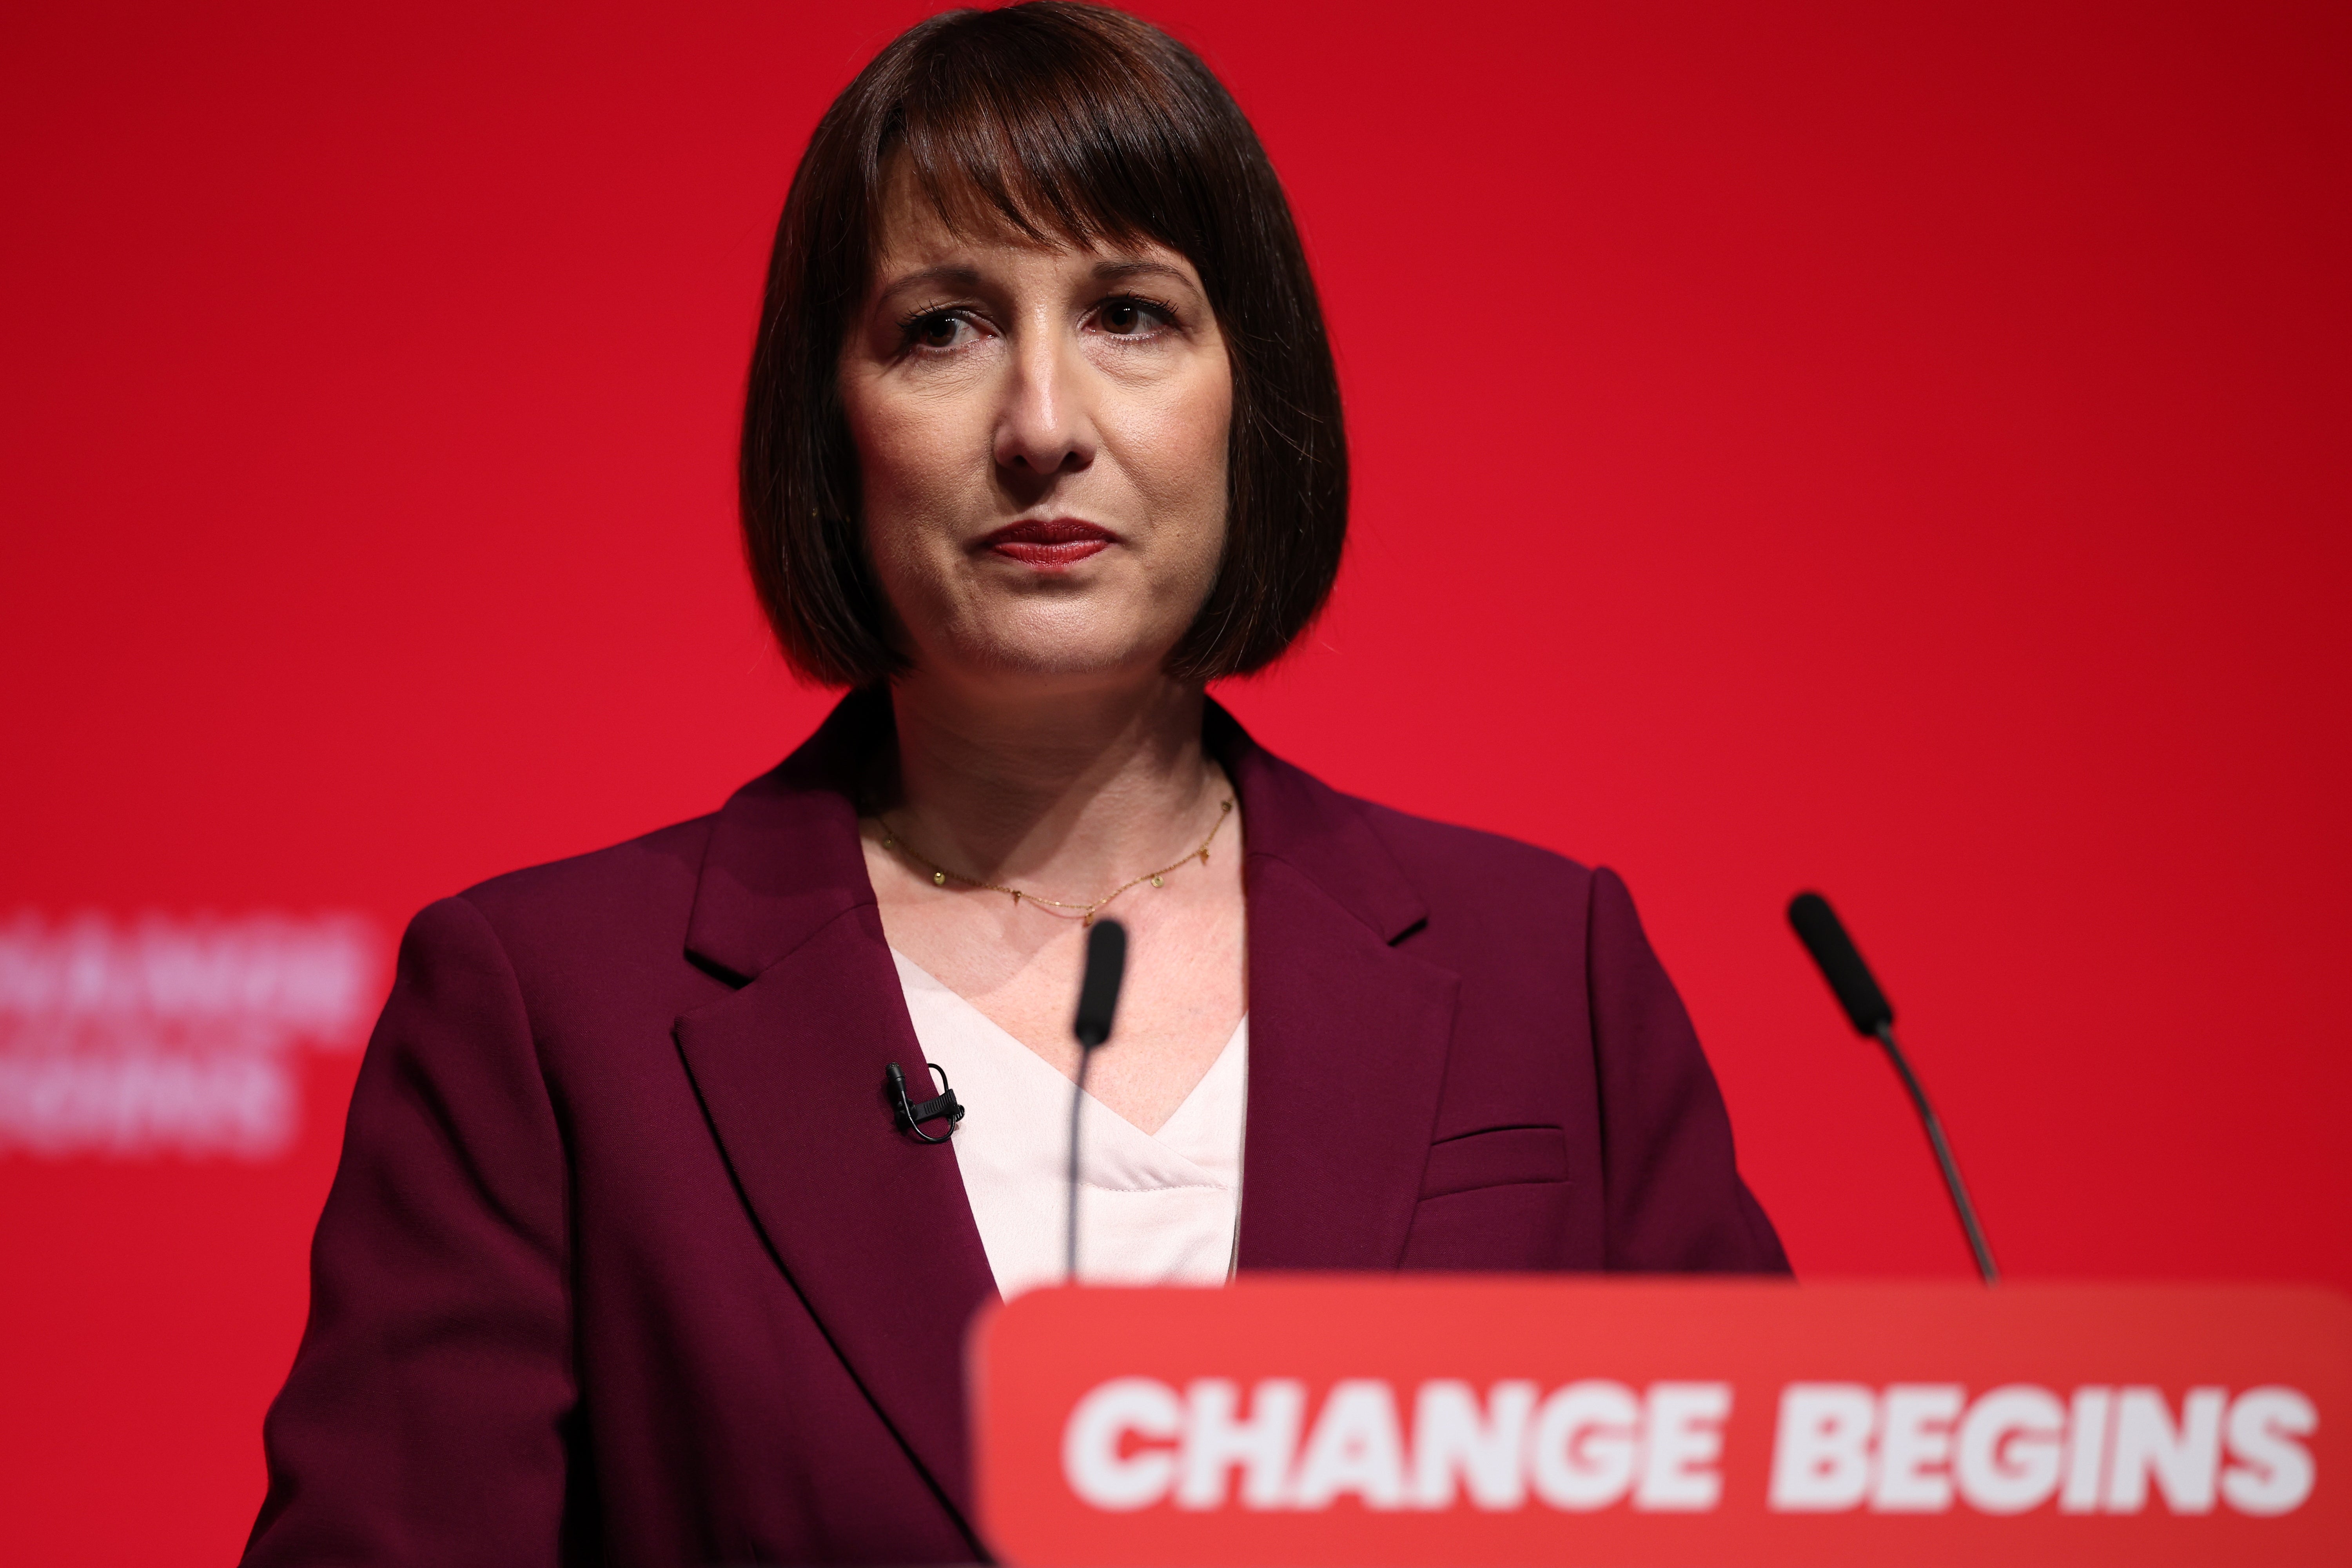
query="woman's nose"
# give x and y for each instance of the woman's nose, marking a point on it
(1045, 427)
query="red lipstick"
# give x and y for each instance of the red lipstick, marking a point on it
(1050, 541)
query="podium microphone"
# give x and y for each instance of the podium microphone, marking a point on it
(1097, 1003)
(1873, 1016)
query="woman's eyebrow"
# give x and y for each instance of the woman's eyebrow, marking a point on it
(953, 274)
(1111, 271)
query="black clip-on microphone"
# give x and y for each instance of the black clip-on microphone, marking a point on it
(1097, 1003)
(1873, 1016)
(912, 1117)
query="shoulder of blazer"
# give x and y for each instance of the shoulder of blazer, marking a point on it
(626, 895)
(776, 859)
(1450, 871)
(1446, 853)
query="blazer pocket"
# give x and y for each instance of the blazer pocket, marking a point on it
(1498, 1157)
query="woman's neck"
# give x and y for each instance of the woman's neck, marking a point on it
(1063, 791)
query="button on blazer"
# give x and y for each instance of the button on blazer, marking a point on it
(627, 1260)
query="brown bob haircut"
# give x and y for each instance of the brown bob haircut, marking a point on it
(1057, 125)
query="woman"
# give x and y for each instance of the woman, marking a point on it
(632, 1254)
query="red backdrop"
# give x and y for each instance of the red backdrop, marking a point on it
(1896, 451)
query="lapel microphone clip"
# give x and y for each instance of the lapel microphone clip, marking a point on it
(911, 1116)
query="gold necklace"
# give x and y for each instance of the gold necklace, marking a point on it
(940, 875)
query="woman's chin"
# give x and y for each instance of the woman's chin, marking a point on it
(1059, 656)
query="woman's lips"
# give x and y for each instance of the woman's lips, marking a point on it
(1053, 541)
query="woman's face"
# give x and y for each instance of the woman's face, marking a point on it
(1041, 435)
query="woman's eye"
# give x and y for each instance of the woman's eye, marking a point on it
(1130, 317)
(939, 329)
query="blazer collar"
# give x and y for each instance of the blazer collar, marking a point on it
(783, 858)
(1293, 818)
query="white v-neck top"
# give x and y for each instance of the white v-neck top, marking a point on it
(1155, 1208)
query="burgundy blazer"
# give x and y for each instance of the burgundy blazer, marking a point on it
(627, 1261)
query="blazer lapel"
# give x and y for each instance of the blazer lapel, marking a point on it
(1349, 1034)
(871, 1226)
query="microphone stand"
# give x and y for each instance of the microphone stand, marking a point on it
(1077, 1104)
(1959, 1189)
(1873, 1017)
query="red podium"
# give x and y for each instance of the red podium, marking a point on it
(1539, 1422)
